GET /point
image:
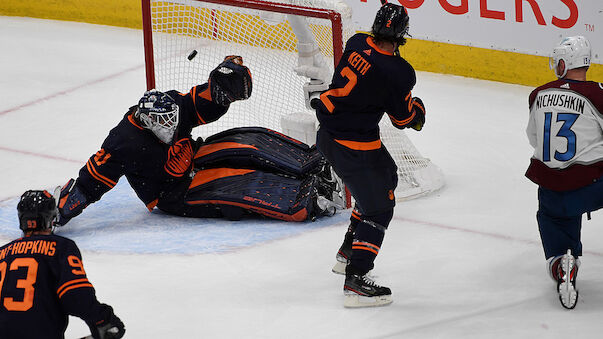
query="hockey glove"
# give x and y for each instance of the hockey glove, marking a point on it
(419, 110)
(72, 202)
(109, 326)
(230, 81)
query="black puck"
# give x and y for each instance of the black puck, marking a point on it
(192, 55)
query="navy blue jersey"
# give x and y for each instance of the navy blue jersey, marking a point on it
(150, 166)
(366, 83)
(42, 281)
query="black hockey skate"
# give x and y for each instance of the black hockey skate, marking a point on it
(566, 272)
(362, 291)
(344, 254)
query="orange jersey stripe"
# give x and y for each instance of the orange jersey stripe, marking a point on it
(360, 145)
(402, 122)
(97, 176)
(193, 94)
(74, 287)
(71, 282)
(371, 42)
(133, 122)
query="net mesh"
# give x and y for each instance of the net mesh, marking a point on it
(268, 45)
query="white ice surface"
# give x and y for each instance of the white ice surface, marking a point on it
(465, 262)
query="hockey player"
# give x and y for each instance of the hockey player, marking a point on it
(566, 130)
(370, 79)
(43, 281)
(153, 148)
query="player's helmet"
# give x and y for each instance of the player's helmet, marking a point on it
(391, 24)
(159, 113)
(37, 211)
(575, 53)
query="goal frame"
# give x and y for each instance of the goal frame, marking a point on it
(331, 15)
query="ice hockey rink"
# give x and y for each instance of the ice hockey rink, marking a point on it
(463, 262)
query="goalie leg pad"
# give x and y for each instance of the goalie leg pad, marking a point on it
(258, 148)
(260, 192)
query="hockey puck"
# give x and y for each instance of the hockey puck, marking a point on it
(192, 55)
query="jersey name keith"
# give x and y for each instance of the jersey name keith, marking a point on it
(359, 63)
(33, 247)
(569, 101)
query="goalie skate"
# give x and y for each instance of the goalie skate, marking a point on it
(362, 291)
(566, 281)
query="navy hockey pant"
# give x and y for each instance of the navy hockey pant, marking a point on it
(371, 177)
(559, 217)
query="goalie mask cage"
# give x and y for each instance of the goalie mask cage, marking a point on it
(185, 39)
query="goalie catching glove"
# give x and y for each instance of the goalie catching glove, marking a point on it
(72, 202)
(230, 81)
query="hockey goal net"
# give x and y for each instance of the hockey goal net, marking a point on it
(185, 39)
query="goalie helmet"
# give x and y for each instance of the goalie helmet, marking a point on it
(37, 211)
(575, 53)
(159, 113)
(391, 23)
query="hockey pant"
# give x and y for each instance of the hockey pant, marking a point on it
(254, 170)
(371, 177)
(559, 217)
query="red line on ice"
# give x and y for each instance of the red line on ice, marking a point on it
(486, 234)
(67, 91)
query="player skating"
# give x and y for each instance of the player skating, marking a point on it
(153, 148)
(566, 130)
(370, 79)
(42, 280)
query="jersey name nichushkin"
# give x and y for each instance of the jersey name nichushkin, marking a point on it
(569, 101)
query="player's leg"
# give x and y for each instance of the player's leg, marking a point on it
(560, 222)
(345, 250)
(371, 178)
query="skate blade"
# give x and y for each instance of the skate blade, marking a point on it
(339, 267)
(568, 295)
(354, 300)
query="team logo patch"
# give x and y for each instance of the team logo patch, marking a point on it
(390, 195)
(367, 51)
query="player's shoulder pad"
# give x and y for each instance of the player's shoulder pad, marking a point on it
(356, 42)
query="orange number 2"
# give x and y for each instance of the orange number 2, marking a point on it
(346, 72)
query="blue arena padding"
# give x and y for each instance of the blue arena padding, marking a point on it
(120, 223)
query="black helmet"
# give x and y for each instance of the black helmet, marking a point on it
(391, 24)
(37, 211)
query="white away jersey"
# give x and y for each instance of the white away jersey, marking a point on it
(566, 130)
